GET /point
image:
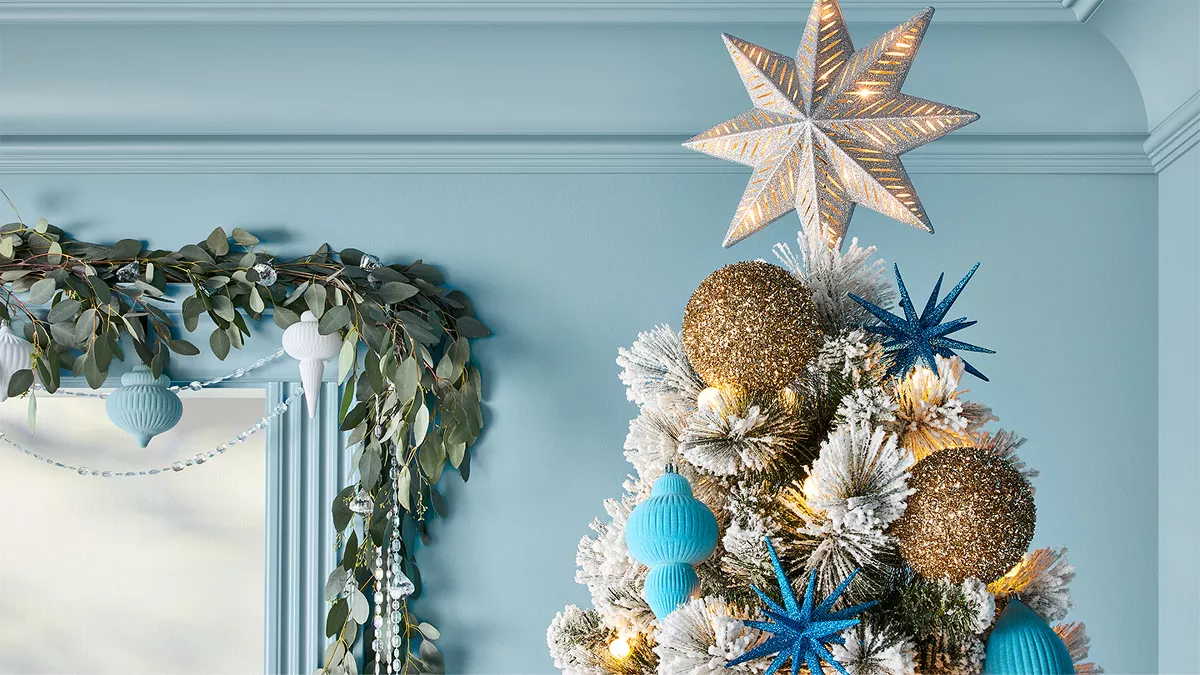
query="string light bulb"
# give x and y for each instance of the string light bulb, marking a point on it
(619, 648)
(809, 488)
(710, 399)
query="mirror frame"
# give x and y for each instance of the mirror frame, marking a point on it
(306, 466)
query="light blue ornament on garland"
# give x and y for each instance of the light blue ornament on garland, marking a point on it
(1023, 644)
(144, 405)
(671, 531)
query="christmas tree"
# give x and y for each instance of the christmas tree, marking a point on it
(836, 446)
(796, 434)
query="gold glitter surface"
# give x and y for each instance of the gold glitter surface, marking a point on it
(972, 516)
(750, 325)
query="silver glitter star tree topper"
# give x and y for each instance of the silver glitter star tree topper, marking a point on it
(828, 126)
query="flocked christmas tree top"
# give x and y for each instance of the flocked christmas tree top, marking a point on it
(829, 468)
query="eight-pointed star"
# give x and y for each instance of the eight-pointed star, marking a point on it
(827, 127)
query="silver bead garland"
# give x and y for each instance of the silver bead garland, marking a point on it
(194, 460)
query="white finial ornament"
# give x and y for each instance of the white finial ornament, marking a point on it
(16, 353)
(303, 342)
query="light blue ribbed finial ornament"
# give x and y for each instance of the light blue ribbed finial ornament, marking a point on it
(669, 532)
(144, 405)
(1023, 644)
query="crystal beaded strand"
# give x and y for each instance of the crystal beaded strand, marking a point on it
(380, 646)
(397, 570)
(194, 460)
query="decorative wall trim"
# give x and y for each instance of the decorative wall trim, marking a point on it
(524, 154)
(479, 11)
(1084, 9)
(306, 467)
(1175, 135)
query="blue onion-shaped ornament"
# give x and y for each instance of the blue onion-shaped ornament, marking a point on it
(144, 405)
(670, 532)
(1023, 644)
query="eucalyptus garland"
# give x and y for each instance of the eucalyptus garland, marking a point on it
(411, 394)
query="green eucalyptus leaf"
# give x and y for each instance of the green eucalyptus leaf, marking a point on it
(194, 253)
(91, 371)
(255, 301)
(352, 418)
(54, 255)
(407, 378)
(429, 631)
(348, 356)
(243, 237)
(41, 291)
(63, 333)
(395, 291)
(336, 620)
(63, 311)
(360, 609)
(403, 484)
(420, 425)
(470, 327)
(336, 584)
(222, 306)
(218, 341)
(334, 320)
(20, 382)
(103, 352)
(103, 294)
(235, 336)
(372, 371)
(284, 317)
(341, 508)
(314, 298)
(369, 467)
(183, 347)
(297, 292)
(347, 398)
(218, 242)
(432, 456)
(455, 453)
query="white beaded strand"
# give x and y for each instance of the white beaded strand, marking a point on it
(194, 460)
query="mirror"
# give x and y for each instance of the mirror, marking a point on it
(133, 575)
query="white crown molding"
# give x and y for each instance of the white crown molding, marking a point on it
(491, 11)
(1083, 9)
(523, 154)
(1175, 135)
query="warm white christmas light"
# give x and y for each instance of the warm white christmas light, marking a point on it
(619, 647)
(710, 399)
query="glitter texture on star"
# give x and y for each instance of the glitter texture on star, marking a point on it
(828, 126)
(801, 633)
(918, 338)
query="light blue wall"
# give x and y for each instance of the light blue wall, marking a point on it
(1179, 424)
(566, 268)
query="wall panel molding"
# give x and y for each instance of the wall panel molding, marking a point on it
(524, 154)
(524, 11)
(306, 467)
(1175, 135)
(1083, 9)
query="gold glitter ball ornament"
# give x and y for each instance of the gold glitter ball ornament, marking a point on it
(972, 516)
(750, 325)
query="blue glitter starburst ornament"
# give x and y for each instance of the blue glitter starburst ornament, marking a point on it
(801, 633)
(918, 338)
